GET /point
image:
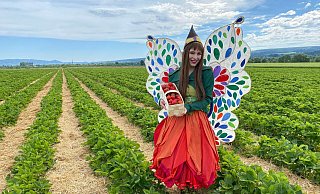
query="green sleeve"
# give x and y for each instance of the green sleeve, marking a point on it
(208, 82)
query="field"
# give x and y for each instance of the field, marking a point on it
(90, 130)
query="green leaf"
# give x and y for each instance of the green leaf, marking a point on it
(168, 59)
(233, 87)
(216, 53)
(163, 52)
(208, 57)
(168, 46)
(240, 82)
(223, 135)
(225, 35)
(215, 39)
(154, 83)
(231, 124)
(220, 44)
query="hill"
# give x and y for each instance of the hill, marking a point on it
(310, 50)
(276, 52)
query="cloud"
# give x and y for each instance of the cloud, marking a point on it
(307, 5)
(261, 17)
(300, 30)
(288, 13)
(107, 12)
(113, 20)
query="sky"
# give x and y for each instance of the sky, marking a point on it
(104, 30)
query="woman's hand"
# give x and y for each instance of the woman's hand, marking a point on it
(163, 104)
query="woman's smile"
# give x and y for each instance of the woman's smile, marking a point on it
(194, 56)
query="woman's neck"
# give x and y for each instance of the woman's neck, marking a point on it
(191, 69)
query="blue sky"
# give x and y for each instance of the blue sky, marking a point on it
(102, 30)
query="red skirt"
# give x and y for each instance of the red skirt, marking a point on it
(185, 152)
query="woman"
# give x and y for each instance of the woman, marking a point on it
(185, 152)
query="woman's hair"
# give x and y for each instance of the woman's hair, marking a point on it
(184, 76)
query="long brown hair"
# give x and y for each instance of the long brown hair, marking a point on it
(184, 75)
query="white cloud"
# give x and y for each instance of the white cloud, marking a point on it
(301, 30)
(261, 17)
(288, 13)
(112, 20)
(307, 5)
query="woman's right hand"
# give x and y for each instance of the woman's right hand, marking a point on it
(163, 104)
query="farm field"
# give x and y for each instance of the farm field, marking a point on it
(93, 129)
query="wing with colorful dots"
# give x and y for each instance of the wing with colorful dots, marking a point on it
(227, 54)
(164, 57)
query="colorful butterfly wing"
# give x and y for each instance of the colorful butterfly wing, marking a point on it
(227, 54)
(164, 57)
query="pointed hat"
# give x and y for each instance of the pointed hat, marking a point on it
(192, 37)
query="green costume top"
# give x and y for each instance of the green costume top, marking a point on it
(191, 102)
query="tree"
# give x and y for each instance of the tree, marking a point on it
(300, 58)
(284, 59)
(142, 63)
(317, 59)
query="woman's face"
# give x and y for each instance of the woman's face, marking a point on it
(194, 57)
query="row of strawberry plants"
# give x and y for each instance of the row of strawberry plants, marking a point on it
(298, 122)
(294, 123)
(305, 104)
(287, 82)
(276, 126)
(234, 175)
(274, 109)
(10, 110)
(144, 118)
(301, 161)
(135, 95)
(295, 88)
(37, 154)
(114, 156)
(12, 81)
(131, 84)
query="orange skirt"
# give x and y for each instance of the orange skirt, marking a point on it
(185, 152)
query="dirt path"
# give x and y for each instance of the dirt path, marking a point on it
(130, 131)
(14, 136)
(139, 104)
(306, 185)
(71, 172)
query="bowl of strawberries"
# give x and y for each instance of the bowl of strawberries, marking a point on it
(173, 99)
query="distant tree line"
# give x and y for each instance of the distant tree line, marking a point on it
(290, 58)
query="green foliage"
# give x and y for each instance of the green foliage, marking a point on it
(144, 118)
(14, 103)
(114, 156)
(235, 177)
(288, 58)
(27, 174)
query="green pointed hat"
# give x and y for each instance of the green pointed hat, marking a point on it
(192, 37)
